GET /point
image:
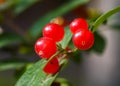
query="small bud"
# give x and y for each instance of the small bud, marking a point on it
(58, 20)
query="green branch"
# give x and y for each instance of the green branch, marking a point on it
(103, 17)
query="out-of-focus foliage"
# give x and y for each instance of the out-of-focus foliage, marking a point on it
(34, 76)
(35, 30)
(17, 6)
(22, 5)
(11, 65)
(10, 39)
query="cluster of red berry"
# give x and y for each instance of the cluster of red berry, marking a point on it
(83, 38)
(46, 46)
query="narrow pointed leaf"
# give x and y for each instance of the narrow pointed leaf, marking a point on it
(67, 38)
(103, 17)
(35, 76)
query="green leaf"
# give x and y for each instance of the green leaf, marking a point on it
(117, 27)
(103, 17)
(76, 56)
(10, 65)
(99, 44)
(22, 5)
(35, 76)
(67, 38)
(36, 28)
(9, 38)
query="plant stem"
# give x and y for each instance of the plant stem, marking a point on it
(57, 53)
(102, 18)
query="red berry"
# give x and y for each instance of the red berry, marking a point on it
(83, 39)
(77, 24)
(54, 31)
(52, 66)
(45, 47)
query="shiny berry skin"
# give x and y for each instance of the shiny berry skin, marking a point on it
(52, 66)
(54, 31)
(77, 24)
(45, 47)
(83, 39)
